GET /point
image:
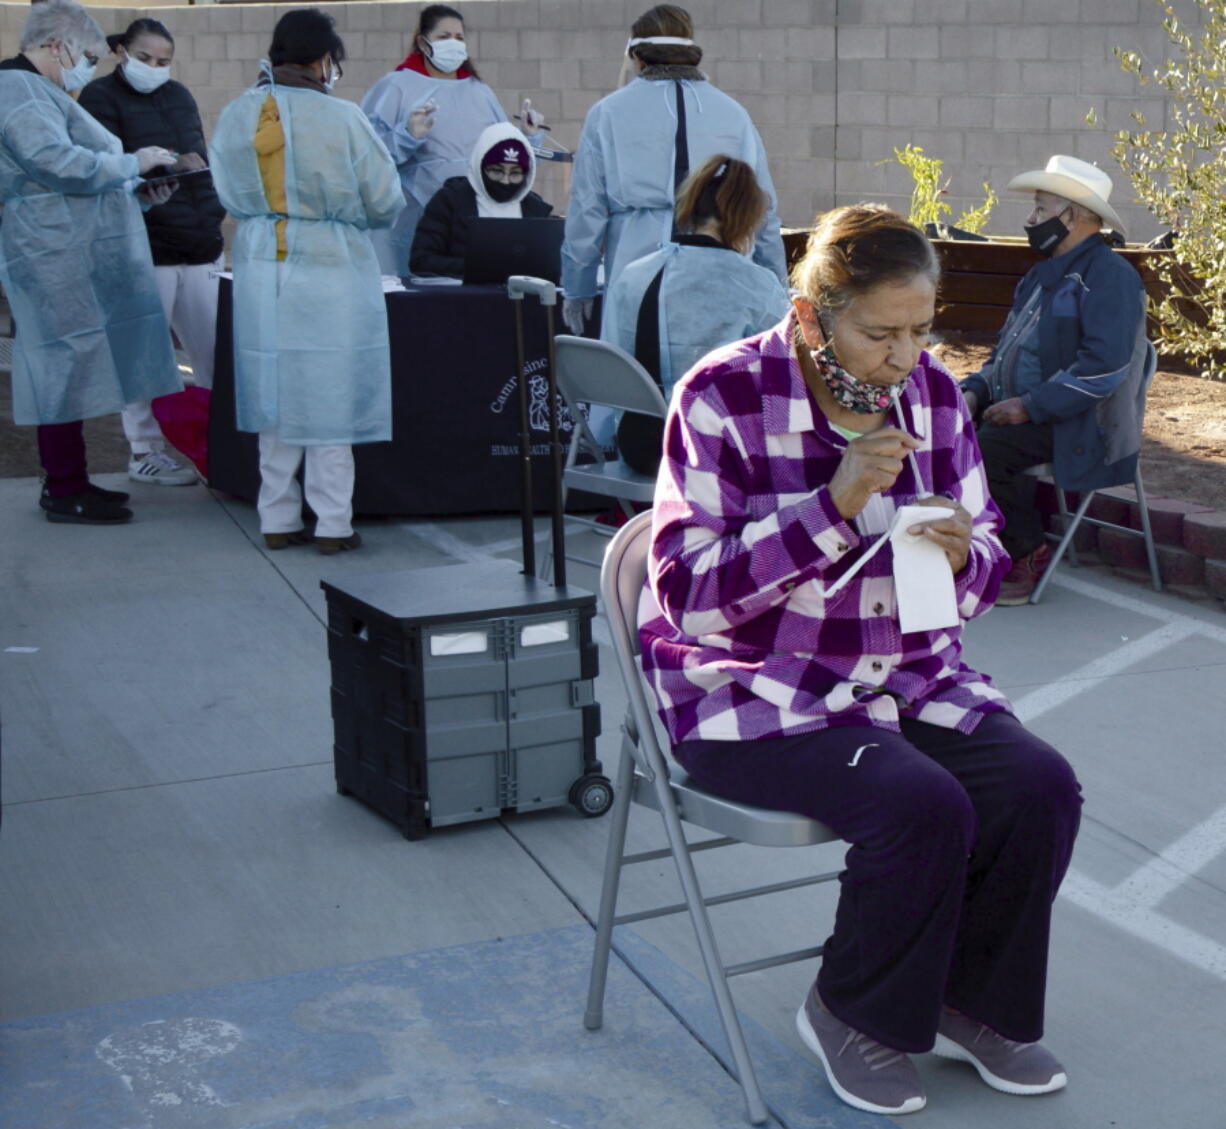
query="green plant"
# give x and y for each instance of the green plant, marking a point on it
(1179, 173)
(928, 188)
(976, 218)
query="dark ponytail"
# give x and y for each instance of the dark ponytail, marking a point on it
(725, 190)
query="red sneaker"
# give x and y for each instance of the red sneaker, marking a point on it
(1021, 580)
(614, 518)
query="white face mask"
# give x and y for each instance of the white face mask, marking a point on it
(142, 77)
(334, 76)
(80, 74)
(448, 55)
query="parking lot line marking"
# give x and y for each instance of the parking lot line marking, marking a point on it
(1145, 924)
(1130, 906)
(1146, 887)
(1138, 606)
(438, 538)
(1097, 671)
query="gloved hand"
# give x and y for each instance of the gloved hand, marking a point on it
(152, 157)
(575, 312)
(189, 162)
(421, 120)
(533, 120)
(151, 195)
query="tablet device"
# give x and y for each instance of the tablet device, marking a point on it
(499, 248)
(163, 178)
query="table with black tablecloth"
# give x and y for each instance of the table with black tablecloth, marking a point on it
(455, 408)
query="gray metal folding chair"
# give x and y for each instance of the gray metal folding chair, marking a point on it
(600, 373)
(1070, 521)
(645, 777)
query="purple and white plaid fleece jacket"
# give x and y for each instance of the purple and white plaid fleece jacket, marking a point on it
(739, 641)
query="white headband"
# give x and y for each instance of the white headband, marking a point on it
(668, 40)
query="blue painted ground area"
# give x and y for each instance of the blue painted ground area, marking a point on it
(478, 1035)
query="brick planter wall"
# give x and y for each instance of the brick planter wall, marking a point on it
(1190, 539)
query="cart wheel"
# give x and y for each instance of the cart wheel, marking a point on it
(591, 795)
(414, 829)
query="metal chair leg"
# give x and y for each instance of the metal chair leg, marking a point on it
(1065, 518)
(743, 1067)
(1151, 552)
(619, 817)
(1065, 542)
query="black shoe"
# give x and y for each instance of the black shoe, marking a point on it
(85, 508)
(115, 497)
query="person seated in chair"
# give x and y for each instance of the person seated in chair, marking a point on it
(787, 457)
(701, 291)
(498, 185)
(1073, 339)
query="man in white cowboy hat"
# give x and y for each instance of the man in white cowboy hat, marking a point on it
(1074, 338)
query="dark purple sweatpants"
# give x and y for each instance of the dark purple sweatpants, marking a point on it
(958, 846)
(61, 450)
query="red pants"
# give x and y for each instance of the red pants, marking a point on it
(61, 451)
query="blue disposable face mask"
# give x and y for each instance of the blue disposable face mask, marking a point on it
(143, 78)
(448, 55)
(80, 74)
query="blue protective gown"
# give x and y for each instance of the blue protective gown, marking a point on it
(709, 297)
(311, 356)
(75, 262)
(465, 107)
(621, 196)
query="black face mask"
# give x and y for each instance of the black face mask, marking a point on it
(498, 192)
(1045, 237)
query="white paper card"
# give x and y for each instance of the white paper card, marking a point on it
(535, 634)
(923, 580)
(460, 643)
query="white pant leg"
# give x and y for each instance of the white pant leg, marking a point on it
(194, 317)
(280, 499)
(329, 489)
(140, 428)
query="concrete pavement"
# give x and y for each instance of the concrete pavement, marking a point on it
(195, 930)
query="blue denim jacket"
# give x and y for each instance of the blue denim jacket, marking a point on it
(1092, 348)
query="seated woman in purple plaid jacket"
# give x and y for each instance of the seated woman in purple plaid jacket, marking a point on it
(786, 458)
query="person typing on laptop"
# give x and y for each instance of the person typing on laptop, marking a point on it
(498, 185)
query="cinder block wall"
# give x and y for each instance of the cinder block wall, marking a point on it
(990, 86)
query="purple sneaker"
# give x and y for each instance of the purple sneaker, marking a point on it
(1012, 1068)
(863, 1072)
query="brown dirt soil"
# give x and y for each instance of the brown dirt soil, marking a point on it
(1183, 454)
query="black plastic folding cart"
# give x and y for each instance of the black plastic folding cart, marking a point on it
(462, 692)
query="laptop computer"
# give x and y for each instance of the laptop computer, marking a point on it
(499, 248)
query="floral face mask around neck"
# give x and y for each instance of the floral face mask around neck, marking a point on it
(850, 392)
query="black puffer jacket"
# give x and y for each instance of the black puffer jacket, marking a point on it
(187, 228)
(442, 231)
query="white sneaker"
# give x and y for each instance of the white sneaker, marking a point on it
(160, 469)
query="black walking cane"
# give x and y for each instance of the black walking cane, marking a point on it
(517, 286)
